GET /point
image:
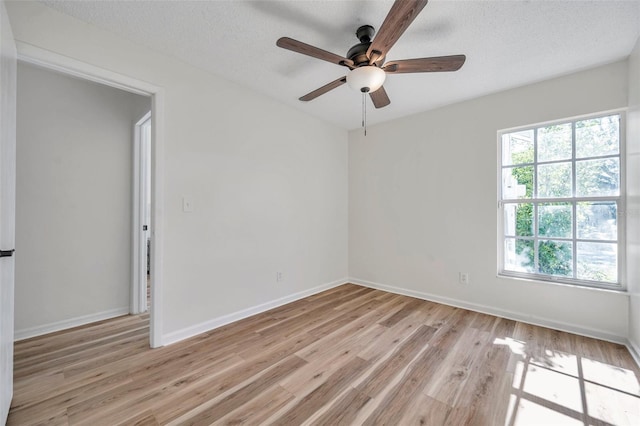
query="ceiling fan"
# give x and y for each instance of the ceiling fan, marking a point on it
(366, 60)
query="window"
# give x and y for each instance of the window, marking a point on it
(561, 197)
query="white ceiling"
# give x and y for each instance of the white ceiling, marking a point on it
(507, 44)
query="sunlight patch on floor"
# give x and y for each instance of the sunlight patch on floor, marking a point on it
(553, 387)
(557, 388)
(612, 406)
(558, 361)
(532, 414)
(615, 377)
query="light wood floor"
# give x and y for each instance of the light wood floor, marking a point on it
(350, 355)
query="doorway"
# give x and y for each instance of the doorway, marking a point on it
(65, 65)
(74, 186)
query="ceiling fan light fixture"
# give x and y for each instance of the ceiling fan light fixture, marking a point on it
(367, 78)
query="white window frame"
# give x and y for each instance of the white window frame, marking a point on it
(621, 200)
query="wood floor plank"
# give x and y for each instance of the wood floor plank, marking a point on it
(358, 298)
(32, 386)
(78, 335)
(394, 364)
(259, 409)
(96, 359)
(345, 409)
(394, 404)
(393, 336)
(197, 395)
(440, 315)
(323, 365)
(297, 323)
(424, 410)
(348, 355)
(445, 384)
(38, 409)
(146, 418)
(51, 418)
(346, 318)
(141, 361)
(487, 378)
(334, 293)
(125, 403)
(41, 358)
(86, 358)
(245, 394)
(144, 382)
(324, 393)
(351, 330)
(404, 312)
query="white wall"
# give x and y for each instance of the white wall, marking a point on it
(423, 204)
(268, 183)
(633, 198)
(74, 200)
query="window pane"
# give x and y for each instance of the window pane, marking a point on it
(554, 180)
(517, 182)
(598, 136)
(554, 142)
(598, 177)
(518, 219)
(518, 255)
(597, 261)
(517, 148)
(555, 220)
(555, 258)
(597, 221)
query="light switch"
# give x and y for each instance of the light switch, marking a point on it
(187, 204)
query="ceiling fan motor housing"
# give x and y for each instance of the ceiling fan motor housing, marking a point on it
(365, 33)
(358, 53)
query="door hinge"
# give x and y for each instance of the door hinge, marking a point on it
(7, 253)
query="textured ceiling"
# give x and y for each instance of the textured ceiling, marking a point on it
(507, 44)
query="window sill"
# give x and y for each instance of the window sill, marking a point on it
(615, 290)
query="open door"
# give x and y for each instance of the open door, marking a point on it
(141, 215)
(8, 66)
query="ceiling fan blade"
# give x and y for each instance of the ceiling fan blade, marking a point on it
(324, 89)
(314, 52)
(380, 98)
(401, 15)
(435, 64)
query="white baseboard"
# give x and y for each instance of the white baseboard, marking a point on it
(69, 323)
(528, 319)
(212, 324)
(634, 350)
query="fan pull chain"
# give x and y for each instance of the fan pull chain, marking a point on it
(364, 112)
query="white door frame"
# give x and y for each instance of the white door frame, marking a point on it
(54, 61)
(140, 214)
(7, 208)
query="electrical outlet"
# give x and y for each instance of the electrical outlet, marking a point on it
(279, 277)
(463, 278)
(187, 204)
